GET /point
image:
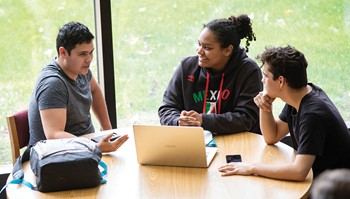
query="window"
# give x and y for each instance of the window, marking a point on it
(151, 37)
(29, 30)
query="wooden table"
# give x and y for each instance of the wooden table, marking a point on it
(127, 179)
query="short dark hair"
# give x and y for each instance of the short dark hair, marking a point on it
(287, 62)
(230, 31)
(71, 34)
(332, 184)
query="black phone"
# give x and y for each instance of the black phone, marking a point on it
(98, 138)
(233, 158)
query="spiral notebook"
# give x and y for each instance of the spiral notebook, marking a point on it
(172, 146)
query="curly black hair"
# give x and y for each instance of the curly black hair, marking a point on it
(230, 31)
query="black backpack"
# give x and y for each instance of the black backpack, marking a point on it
(62, 164)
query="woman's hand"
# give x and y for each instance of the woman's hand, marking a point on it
(190, 118)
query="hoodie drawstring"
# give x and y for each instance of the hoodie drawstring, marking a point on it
(206, 93)
(220, 93)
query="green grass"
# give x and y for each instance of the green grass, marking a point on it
(155, 36)
(151, 37)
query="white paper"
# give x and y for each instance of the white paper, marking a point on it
(208, 136)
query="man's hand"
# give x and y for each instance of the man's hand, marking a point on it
(105, 145)
(236, 168)
(264, 102)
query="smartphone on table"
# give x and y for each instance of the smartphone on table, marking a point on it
(233, 158)
(98, 138)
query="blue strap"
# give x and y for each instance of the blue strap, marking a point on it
(103, 172)
(18, 181)
(103, 181)
(28, 184)
(212, 143)
(4, 187)
(104, 167)
(17, 172)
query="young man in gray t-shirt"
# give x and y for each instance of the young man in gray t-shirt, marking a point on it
(66, 90)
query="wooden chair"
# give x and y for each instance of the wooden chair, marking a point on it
(18, 128)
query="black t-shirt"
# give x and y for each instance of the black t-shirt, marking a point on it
(318, 129)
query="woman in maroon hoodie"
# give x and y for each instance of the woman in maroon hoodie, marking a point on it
(215, 88)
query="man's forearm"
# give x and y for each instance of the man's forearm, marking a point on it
(268, 127)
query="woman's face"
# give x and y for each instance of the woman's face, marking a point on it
(210, 53)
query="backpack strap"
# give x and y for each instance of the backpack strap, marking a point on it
(17, 171)
(103, 172)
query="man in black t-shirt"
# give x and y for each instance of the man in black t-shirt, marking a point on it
(319, 133)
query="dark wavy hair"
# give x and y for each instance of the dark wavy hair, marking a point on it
(71, 34)
(287, 62)
(230, 31)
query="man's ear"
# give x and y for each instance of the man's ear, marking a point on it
(62, 52)
(282, 81)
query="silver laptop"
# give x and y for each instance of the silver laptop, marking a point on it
(172, 146)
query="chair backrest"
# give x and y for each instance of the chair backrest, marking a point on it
(18, 128)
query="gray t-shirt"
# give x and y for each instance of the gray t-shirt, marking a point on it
(54, 89)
